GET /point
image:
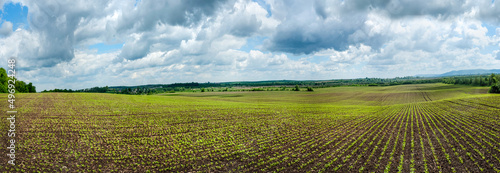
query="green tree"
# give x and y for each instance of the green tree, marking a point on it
(3, 88)
(492, 79)
(31, 88)
(310, 89)
(495, 88)
(3, 76)
(297, 88)
(21, 86)
(476, 81)
(3, 80)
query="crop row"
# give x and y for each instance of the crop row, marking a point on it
(458, 135)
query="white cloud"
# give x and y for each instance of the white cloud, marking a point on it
(6, 28)
(353, 55)
(24, 45)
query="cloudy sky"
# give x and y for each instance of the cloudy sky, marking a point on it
(79, 44)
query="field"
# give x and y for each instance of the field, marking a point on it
(406, 128)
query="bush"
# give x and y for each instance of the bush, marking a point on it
(495, 89)
(296, 88)
(257, 89)
(310, 89)
(3, 88)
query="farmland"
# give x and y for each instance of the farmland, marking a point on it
(404, 128)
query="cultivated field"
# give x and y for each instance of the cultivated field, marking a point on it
(421, 128)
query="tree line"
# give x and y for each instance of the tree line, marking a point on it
(89, 90)
(476, 80)
(106, 89)
(225, 86)
(20, 86)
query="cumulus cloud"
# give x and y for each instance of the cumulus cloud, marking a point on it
(248, 18)
(353, 55)
(338, 24)
(329, 25)
(54, 22)
(184, 18)
(6, 28)
(148, 13)
(488, 10)
(302, 30)
(404, 8)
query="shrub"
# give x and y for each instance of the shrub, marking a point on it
(495, 89)
(296, 88)
(310, 89)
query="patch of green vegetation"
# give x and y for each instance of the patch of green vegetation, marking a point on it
(336, 128)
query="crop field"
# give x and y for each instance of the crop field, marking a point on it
(406, 128)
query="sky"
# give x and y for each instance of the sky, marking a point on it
(79, 44)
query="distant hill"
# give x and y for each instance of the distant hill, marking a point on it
(462, 72)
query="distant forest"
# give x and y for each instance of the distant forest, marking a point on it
(278, 85)
(290, 85)
(476, 80)
(20, 86)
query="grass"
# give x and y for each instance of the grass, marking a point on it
(330, 129)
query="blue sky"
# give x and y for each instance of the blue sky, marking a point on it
(81, 44)
(15, 13)
(105, 48)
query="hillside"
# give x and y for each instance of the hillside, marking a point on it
(420, 128)
(463, 72)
